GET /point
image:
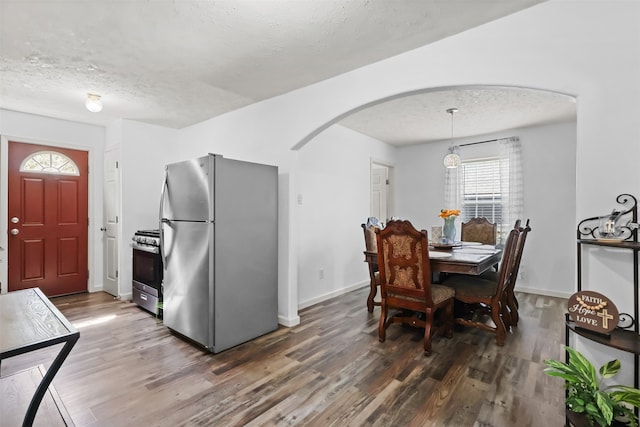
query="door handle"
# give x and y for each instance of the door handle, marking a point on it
(15, 220)
(15, 231)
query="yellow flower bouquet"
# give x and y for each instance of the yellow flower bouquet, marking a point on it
(446, 213)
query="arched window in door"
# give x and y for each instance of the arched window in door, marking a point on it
(49, 162)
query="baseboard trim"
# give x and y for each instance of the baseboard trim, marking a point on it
(294, 321)
(288, 322)
(544, 292)
(332, 294)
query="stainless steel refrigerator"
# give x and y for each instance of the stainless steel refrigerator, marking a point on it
(219, 243)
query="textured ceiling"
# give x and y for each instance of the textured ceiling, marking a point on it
(176, 63)
(483, 110)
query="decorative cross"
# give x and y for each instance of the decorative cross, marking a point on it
(605, 318)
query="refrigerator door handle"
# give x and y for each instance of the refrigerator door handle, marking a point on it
(163, 255)
(165, 184)
(161, 218)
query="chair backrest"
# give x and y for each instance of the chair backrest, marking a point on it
(479, 230)
(370, 243)
(508, 260)
(403, 260)
(518, 256)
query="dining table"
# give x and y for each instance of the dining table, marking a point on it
(462, 257)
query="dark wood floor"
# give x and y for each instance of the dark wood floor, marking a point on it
(129, 370)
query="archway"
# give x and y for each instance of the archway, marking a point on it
(537, 96)
(331, 177)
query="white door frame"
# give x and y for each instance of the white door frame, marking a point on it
(390, 187)
(112, 154)
(4, 205)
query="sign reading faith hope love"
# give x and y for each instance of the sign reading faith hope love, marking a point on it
(593, 311)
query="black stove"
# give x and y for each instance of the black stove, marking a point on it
(147, 270)
(147, 237)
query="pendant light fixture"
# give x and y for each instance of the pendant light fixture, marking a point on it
(452, 160)
(93, 103)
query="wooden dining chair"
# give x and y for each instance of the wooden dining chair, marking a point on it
(510, 294)
(405, 284)
(486, 297)
(479, 230)
(510, 299)
(371, 247)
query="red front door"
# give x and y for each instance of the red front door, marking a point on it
(48, 219)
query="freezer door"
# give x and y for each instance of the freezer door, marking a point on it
(187, 190)
(188, 279)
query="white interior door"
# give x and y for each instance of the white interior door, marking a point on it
(379, 187)
(110, 228)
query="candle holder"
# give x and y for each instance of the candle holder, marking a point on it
(610, 227)
(620, 225)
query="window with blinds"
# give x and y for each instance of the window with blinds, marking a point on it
(481, 195)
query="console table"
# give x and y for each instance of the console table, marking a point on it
(28, 322)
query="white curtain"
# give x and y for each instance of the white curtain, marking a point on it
(511, 183)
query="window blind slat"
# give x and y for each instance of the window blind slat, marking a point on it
(481, 190)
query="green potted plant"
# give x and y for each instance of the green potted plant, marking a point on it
(588, 396)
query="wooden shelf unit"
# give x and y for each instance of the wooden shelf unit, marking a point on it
(625, 338)
(622, 339)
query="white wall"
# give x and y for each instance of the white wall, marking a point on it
(144, 150)
(549, 170)
(333, 199)
(587, 49)
(48, 131)
(584, 49)
(257, 133)
(548, 264)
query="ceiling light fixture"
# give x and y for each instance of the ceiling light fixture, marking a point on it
(93, 103)
(452, 160)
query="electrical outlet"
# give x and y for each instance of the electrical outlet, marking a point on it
(321, 273)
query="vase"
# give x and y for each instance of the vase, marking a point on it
(449, 229)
